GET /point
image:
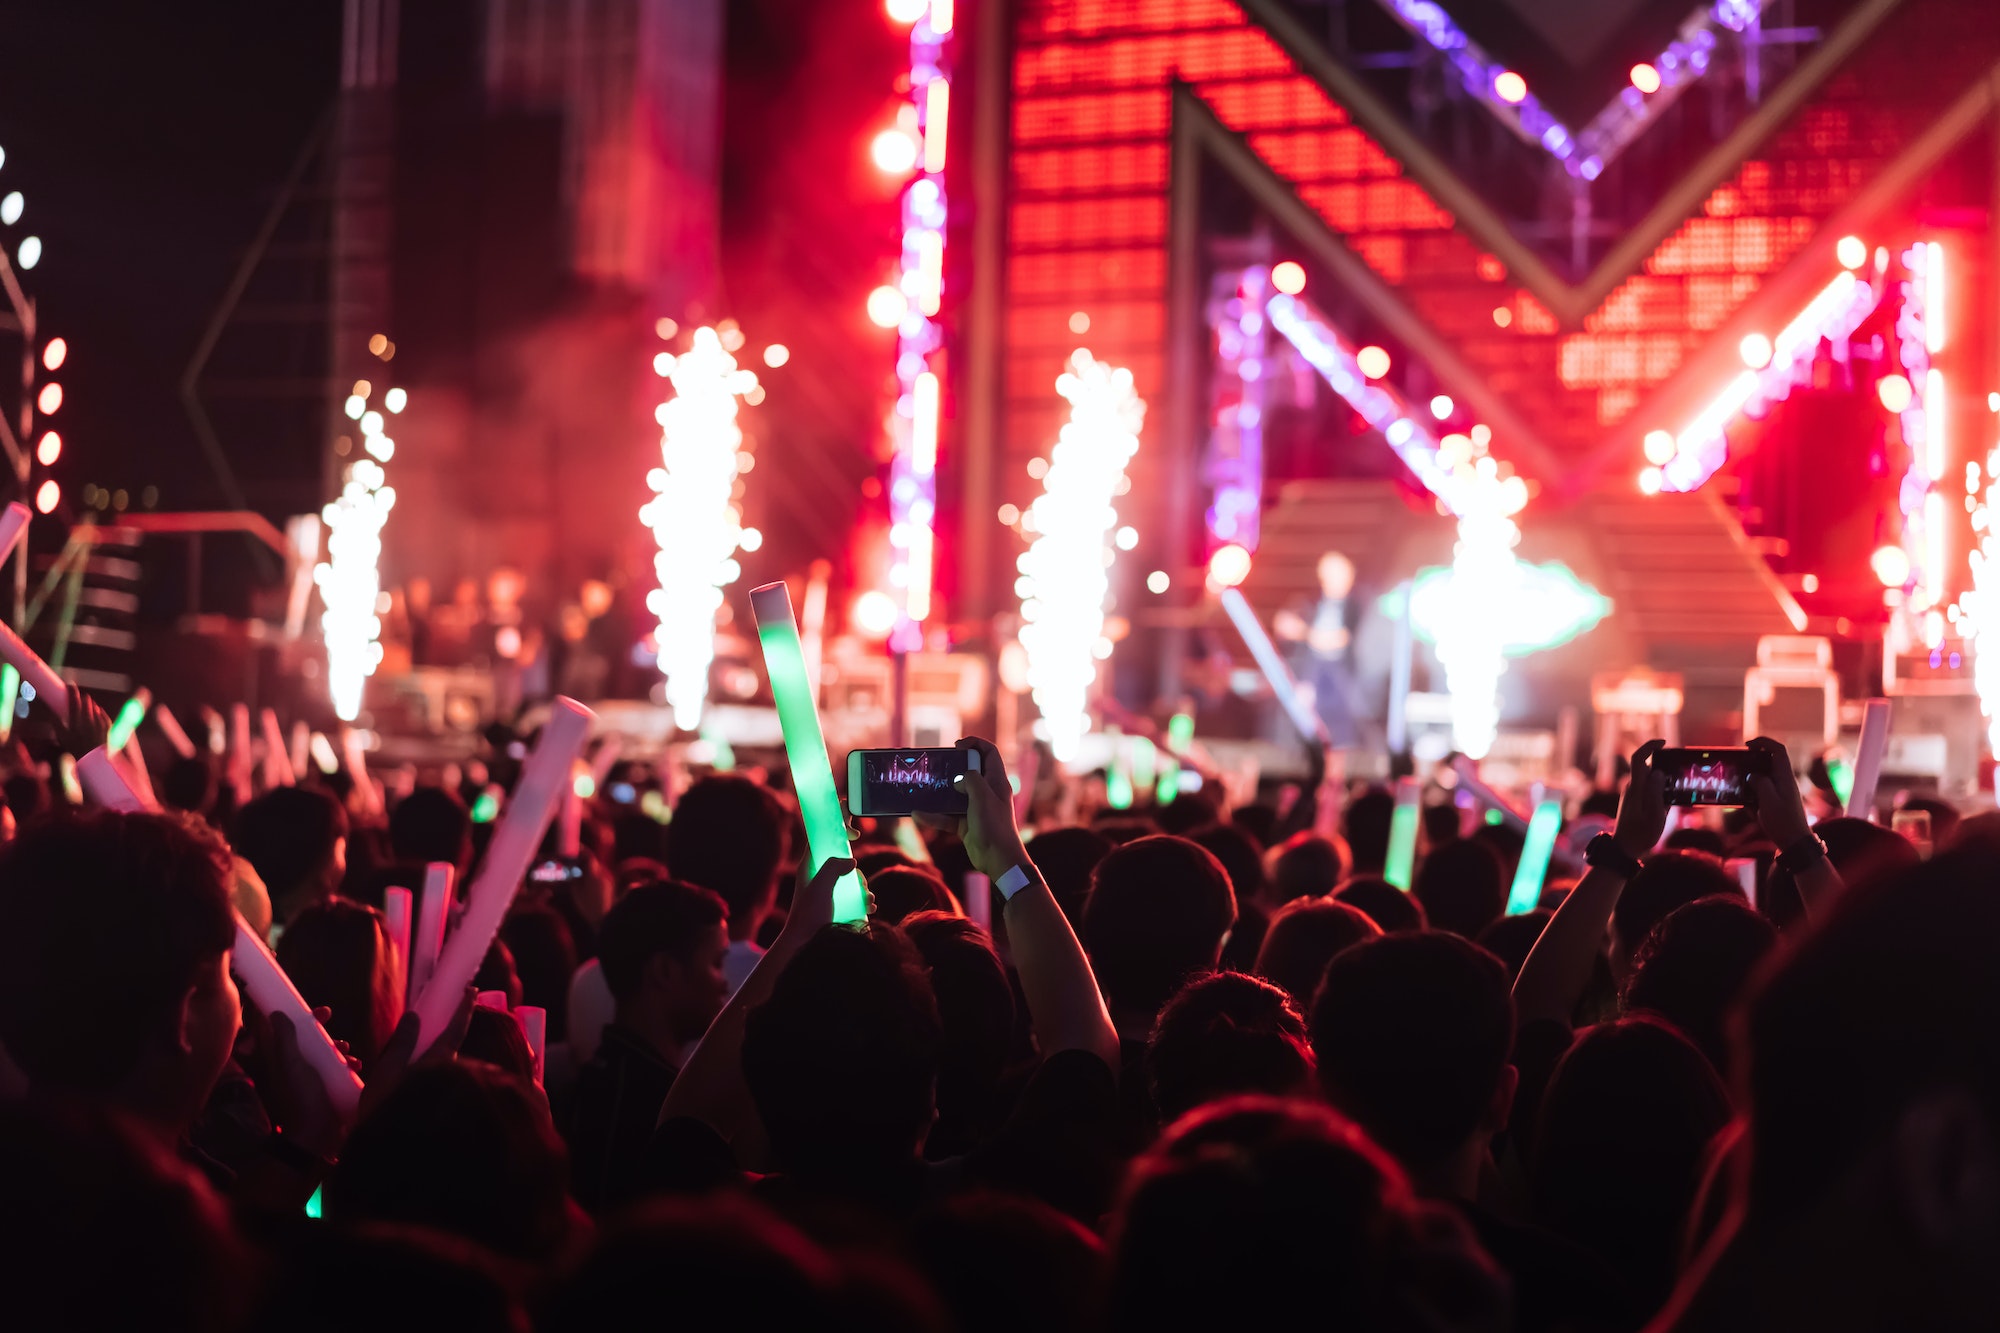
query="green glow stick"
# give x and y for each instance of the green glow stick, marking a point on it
(1180, 732)
(1841, 775)
(1145, 762)
(1536, 850)
(314, 1206)
(1403, 835)
(485, 808)
(721, 755)
(1169, 789)
(130, 715)
(805, 747)
(10, 698)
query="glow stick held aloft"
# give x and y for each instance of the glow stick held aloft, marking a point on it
(1536, 850)
(34, 671)
(1276, 674)
(433, 915)
(545, 777)
(1868, 763)
(170, 727)
(805, 747)
(1398, 866)
(130, 714)
(273, 992)
(301, 749)
(108, 785)
(10, 698)
(396, 911)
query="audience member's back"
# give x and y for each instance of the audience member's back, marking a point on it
(1461, 887)
(1619, 1148)
(728, 836)
(1053, 1267)
(1303, 938)
(1262, 1214)
(332, 1280)
(976, 1006)
(1666, 880)
(297, 839)
(1364, 827)
(1067, 857)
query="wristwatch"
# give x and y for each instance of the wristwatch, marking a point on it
(1803, 855)
(1012, 881)
(1603, 853)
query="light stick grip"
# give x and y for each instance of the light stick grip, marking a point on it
(805, 747)
(273, 992)
(1400, 862)
(433, 914)
(34, 671)
(396, 910)
(1536, 850)
(170, 727)
(1868, 763)
(516, 838)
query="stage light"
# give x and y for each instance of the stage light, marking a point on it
(54, 354)
(1755, 349)
(1659, 447)
(1895, 393)
(887, 306)
(1158, 581)
(49, 449)
(1288, 277)
(1126, 538)
(1934, 290)
(941, 16)
(907, 11)
(1079, 323)
(349, 580)
(1510, 87)
(1891, 565)
(1228, 567)
(371, 422)
(751, 539)
(11, 207)
(30, 253)
(894, 152)
(777, 354)
(696, 526)
(48, 497)
(1649, 481)
(395, 400)
(1645, 78)
(937, 120)
(49, 399)
(1442, 407)
(1851, 251)
(1502, 316)
(1065, 572)
(666, 328)
(875, 613)
(355, 406)
(1009, 514)
(1374, 362)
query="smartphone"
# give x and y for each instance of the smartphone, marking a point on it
(555, 870)
(1914, 825)
(907, 782)
(1710, 777)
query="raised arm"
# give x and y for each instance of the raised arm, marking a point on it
(1781, 813)
(1558, 967)
(1061, 990)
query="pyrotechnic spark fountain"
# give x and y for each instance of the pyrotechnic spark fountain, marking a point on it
(350, 580)
(697, 526)
(1065, 573)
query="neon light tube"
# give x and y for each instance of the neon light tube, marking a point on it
(1276, 674)
(1868, 763)
(130, 714)
(805, 747)
(433, 914)
(396, 904)
(1533, 868)
(1398, 866)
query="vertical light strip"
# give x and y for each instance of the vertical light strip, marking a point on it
(1934, 323)
(350, 580)
(937, 118)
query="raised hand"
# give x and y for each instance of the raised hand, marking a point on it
(1642, 811)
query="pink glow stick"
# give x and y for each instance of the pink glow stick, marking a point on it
(277, 760)
(239, 751)
(13, 522)
(133, 760)
(273, 992)
(516, 838)
(534, 1023)
(491, 999)
(301, 748)
(433, 913)
(170, 727)
(396, 908)
(569, 831)
(107, 785)
(34, 671)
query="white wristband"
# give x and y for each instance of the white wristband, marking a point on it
(1012, 882)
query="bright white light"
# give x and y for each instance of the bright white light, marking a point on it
(1645, 78)
(886, 307)
(49, 449)
(697, 528)
(1288, 277)
(11, 206)
(907, 11)
(1934, 298)
(48, 497)
(1441, 407)
(1510, 88)
(1127, 537)
(30, 253)
(395, 400)
(1851, 251)
(350, 581)
(894, 152)
(1228, 567)
(875, 613)
(1895, 392)
(1755, 349)
(1065, 572)
(54, 353)
(1374, 362)
(777, 354)
(1659, 447)
(1158, 581)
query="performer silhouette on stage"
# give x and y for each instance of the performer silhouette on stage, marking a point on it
(1319, 639)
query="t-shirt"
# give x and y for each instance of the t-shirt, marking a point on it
(739, 962)
(613, 1109)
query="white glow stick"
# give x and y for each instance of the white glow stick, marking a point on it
(517, 836)
(1868, 763)
(301, 749)
(322, 753)
(170, 727)
(106, 785)
(239, 751)
(433, 914)
(608, 751)
(13, 522)
(356, 755)
(277, 760)
(534, 1023)
(569, 831)
(273, 992)
(34, 671)
(1276, 674)
(396, 908)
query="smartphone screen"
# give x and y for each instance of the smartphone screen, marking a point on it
(556, 870)
(1709, 777)
(907, 782)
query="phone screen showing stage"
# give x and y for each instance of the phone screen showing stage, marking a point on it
(1707, 777)
(908, 782)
